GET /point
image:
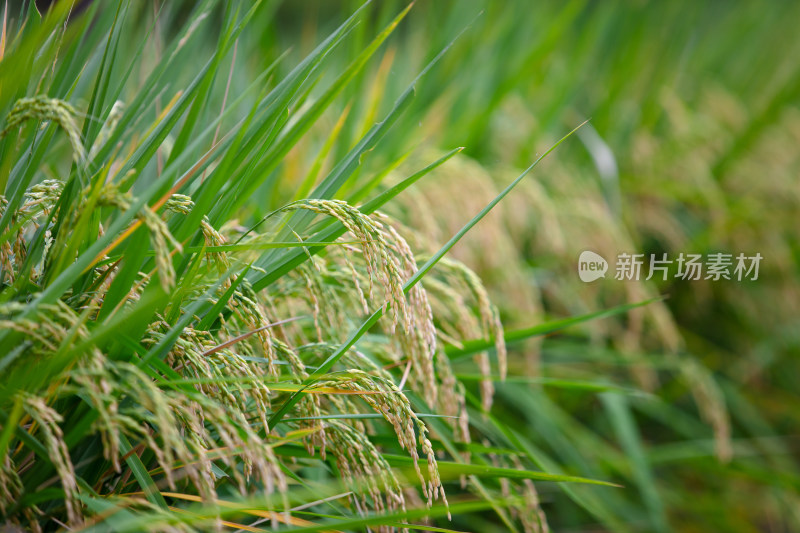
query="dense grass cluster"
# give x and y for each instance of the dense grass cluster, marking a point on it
(305, 267)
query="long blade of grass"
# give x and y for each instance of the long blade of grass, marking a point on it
(479, 345)
(455, 470)
(628, 435)
(149, 487)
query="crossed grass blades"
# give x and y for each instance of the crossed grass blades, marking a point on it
(147, 361)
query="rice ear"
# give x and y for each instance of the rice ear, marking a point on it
(43, 108)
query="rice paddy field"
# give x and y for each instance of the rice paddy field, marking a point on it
(445, 266)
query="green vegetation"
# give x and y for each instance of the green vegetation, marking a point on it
(311, 266)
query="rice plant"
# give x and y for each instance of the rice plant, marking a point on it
(238, 290)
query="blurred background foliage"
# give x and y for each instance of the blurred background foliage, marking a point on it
(692, 146)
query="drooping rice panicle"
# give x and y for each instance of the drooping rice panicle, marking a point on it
(43, 108)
